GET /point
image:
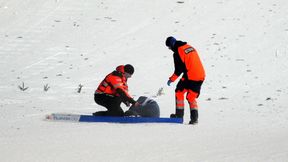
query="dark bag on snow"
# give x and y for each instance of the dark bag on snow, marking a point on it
(148, 108)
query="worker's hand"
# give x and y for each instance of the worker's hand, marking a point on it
(169, 82)
(127, 103)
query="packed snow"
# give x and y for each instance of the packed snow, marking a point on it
(48, 48)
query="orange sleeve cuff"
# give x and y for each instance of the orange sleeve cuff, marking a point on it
(173, 77)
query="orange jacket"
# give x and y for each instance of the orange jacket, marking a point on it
(115, 84)
(187, 61)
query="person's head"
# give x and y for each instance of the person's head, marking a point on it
(128, 70)
(170, 42)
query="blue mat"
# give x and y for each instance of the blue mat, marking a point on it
(90, 118)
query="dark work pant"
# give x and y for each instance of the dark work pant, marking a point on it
(111, 103)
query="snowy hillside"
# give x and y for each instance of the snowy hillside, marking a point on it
(61, 44)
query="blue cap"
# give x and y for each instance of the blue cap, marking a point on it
(170, 42)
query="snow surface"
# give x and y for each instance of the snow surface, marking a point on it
(243, 105)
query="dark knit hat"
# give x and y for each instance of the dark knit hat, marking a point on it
(129, 69)
(170, 42)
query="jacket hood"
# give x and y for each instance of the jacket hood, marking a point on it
(120, 68)
(177, 45)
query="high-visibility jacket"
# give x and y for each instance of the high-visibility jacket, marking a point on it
(187, 61)
(115, 84)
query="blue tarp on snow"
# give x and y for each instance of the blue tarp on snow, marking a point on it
(90, 118)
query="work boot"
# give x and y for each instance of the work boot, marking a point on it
(99, 113)
(193, 122)
(193, 116)
(179, 114)
(173, 116)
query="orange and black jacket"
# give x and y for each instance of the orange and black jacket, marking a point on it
(115, 84)
(187, 61)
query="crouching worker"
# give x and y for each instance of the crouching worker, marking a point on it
(113, 90)
(147, 108)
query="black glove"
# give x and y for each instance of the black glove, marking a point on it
(127, 104)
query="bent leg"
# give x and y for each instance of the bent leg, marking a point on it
(111, 103)
(179, 99)
(191, 97)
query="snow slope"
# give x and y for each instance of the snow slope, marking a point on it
(243, 104)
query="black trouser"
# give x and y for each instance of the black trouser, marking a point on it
(111, 103)
(195, 86)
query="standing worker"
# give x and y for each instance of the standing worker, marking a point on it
(113, 90)
(186, 61)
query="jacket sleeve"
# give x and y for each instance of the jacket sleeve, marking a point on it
(125, 97)
(119, 87)
(178, 67)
